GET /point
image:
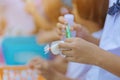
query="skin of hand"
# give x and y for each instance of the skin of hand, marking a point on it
(81, 31)
(51, 74)
(79, 50)
(51, 70)
(47, 36)
(60, 64)
(46, 31)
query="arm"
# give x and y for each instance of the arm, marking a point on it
(93, 40)
(85, 52)
(60, 64)
(108, 61)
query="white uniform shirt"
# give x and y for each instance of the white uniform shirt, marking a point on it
(110, 41)
(83, 71)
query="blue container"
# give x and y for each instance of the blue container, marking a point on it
(20, 50)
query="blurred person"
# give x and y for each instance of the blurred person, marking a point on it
(19, 27)
(90, 58)
(18, 21)
(45, 22)
(90, 53)
(82, 75)
(89, 16)
(57, 73)
(46, 25)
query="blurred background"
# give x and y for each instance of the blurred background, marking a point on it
(22, 21)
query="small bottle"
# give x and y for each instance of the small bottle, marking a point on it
(70, 19)
(54, 46)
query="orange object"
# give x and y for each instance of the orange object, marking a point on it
(19, 69)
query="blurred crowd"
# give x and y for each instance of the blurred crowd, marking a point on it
(28, 17)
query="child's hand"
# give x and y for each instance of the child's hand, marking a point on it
(37, 64)
(81, 31)
(47, 69)
(46, 36)
(80, 51)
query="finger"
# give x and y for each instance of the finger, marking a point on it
(67, 53)
(32, 62)
(62, 20)
(70, 59)
(59, 32)
(41, 67)
(65, 46)
(69, 40)
(38, 66)
(34, 65)
(36, 59)
(58, 36)
(61, 26)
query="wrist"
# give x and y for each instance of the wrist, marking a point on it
(99, 57)
(93, 40)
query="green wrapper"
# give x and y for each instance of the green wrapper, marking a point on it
(68, 32)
